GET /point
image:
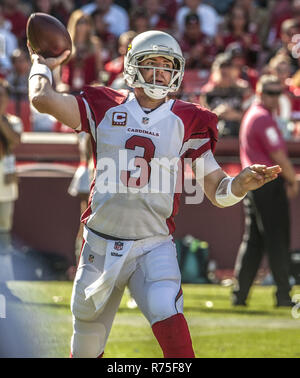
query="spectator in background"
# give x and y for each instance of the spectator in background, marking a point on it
(139, 20)
(294, 88)
(226, 95)
(239, 61)
(258, 13)
(13, 13)
(289, 28)
(126, 4)
(8, 43)
(267, 223)
(116, 66)
(85, 64)
(18, 80)
(279, 12)
(18, 77)
(115, 16)
(296, 10)
(169, 7)
(108, 40)
(280, 67)
(222, 7)
(237, 30)
(209, 18)
(197, 48)
(159, 19)
(61, 9)
(10, 130)
(81, 3)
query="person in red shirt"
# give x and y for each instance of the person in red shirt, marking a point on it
(237, 30)
(17, 18)
(86, 61)
(108, 40)
(280, 66)
(239, 61)
(139, 20)
(158, 17)
(267, 223)
(227, 95)
(197, 47)
(114, 67)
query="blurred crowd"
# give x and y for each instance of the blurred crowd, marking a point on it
(227, 44)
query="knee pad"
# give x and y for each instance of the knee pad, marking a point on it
(88, 340)
(81, 308)
(162, 276)
(164, 300)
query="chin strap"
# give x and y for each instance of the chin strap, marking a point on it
(155, 93)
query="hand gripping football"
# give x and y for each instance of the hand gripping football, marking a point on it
(47, 36)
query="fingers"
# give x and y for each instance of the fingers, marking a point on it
(260, 175)
(50, 62)
(63, 56)
(31, 52)
(257, 174)
(263, 168)
(258, 167)
(264, 172)
(33, 55)
(29, 48)
(270, 178)
(275, 169)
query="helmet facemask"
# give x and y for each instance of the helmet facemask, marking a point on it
(135, 79)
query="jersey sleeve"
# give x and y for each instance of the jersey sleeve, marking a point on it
(200, 130)
(93, 103)
(206, 165)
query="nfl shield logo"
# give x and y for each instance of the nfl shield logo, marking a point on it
(118, 246)
(145, 120)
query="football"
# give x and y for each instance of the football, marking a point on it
(47, 36)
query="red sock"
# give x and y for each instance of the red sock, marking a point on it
(174, 337)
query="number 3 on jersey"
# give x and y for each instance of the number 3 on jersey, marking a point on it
(142, 162)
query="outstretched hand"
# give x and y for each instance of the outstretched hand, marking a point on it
(253, 177)
(52, 63)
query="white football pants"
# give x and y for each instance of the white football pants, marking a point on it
(153, 278)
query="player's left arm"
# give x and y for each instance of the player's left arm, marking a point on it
(224, 191)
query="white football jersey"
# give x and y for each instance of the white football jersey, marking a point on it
(138, 156)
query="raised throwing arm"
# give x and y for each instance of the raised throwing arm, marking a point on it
(44, 98)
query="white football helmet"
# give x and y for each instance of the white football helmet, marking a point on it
(150, 44)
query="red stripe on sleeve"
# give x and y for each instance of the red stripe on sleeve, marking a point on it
(85, 126)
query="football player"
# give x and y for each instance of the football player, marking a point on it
(128, 228)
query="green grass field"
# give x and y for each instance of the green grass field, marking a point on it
(217, 328)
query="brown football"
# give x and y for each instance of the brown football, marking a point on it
(47, 36)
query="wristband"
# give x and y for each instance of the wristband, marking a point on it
(224, 195)
(42, 70)
(9, 164)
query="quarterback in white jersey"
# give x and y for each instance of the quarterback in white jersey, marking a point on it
(130, 218)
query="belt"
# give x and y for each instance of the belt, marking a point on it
(109, 237)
